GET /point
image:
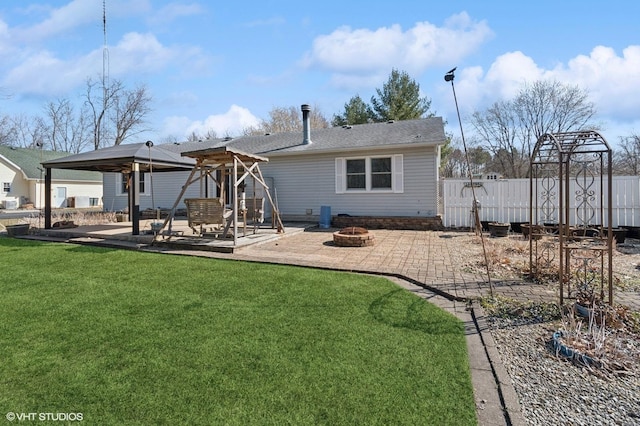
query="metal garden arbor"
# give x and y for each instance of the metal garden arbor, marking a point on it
(570, 213)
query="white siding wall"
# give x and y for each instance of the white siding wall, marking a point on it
(19, 186)
(34, 189)
(300, 183)
(73, 189)
(308, 183)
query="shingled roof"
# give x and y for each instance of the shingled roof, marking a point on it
(29, 161)
(120, 157)
(425, 132)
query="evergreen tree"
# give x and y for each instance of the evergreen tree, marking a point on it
(356, 111)
(399, 99)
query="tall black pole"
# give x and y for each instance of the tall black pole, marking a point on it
(449, 76)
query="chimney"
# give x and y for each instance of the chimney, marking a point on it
(306, 126)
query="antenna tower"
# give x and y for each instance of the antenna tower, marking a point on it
(105, 70)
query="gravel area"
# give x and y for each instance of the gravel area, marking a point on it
(552, 390)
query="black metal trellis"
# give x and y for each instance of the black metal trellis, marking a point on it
(570, 204)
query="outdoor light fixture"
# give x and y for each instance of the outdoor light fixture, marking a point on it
(149, 144)
(449, 75)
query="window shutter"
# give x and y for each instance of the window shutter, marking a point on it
(340, 175)
(398, 174)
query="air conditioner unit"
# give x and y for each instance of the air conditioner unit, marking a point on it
(10, 204)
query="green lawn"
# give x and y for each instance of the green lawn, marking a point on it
(126, 337)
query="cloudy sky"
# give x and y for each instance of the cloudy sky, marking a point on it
(223, 66)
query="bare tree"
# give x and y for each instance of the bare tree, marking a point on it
(456, 165)
(27, 132)
(66, 130)
(498, 130)
(627, 158)
(6, 130)
(288, 119)
(509, 129)
(97, 106)
(317, 120)
(552, 107)
(131, 109)
(196, 137)
(282, 119)
(211, 134)
(115, 112)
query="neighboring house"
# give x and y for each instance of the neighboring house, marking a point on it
(22, 180)
(382, 170)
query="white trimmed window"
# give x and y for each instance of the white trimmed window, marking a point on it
(6, 187)
(369, 174)
(122, 182)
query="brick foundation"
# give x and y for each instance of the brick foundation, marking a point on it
(433, 223)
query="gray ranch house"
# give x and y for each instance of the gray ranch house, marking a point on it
(376, 175)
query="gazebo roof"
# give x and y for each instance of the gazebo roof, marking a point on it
(223, 155)
(120, 157)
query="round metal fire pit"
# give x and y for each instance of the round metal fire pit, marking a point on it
(353, 236)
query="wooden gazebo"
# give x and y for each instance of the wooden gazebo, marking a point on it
(217, 165)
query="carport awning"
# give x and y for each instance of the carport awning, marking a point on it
(119, 158)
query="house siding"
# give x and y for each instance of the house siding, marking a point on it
(32, 190)
(73, 190)
(304, 184)
(19, 185)
(166, 187)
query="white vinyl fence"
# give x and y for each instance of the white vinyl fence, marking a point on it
(507, 200)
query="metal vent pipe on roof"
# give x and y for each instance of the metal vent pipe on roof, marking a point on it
(306, 126)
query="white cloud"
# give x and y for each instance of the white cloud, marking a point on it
(77, 13)
(61, 20)
(28, 77)
(610, 80)
(352, 54)
(141, 53)
(509, 72)
(173, 11)
(5, 41)
(135, 54)
(144, 53)
(232, 123)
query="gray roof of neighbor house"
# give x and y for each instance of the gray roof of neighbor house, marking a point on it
(425, 132)
(120, 157)
(29, 161)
